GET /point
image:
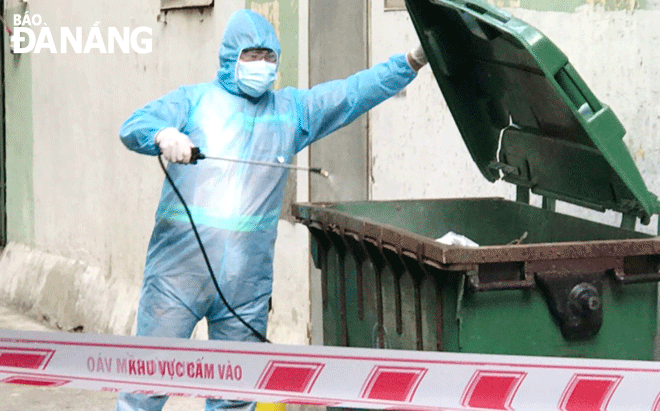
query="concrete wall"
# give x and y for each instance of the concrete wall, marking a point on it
(80, 205)
(338, 48)
(417, 151)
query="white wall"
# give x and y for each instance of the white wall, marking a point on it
(417, 152)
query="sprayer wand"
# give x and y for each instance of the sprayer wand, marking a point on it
(198, 155)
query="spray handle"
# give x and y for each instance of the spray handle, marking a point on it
(195, 155)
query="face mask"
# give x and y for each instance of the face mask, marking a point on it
(254, 78)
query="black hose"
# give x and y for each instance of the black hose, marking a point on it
(206, 258)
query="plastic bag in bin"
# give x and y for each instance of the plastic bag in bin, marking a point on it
(451, 238)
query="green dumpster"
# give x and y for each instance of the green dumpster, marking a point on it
(540, 282)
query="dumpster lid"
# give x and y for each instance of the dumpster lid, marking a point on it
(524, 112)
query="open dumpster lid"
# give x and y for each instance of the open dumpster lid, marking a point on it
(524, 112)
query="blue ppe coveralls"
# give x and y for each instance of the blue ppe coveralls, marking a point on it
(235, 206)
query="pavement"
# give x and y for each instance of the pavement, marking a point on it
(28, 398)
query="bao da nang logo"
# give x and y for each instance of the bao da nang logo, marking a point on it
(31, 34)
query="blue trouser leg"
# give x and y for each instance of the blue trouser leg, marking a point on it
(160, 314)
(256, 314)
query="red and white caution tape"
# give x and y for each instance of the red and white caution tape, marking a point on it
(331, 376)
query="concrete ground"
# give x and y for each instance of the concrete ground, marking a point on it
(28, 398)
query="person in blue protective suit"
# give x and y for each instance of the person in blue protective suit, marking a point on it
(236, 206)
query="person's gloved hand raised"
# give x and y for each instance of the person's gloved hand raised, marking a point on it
(416, 58)
(175, 146)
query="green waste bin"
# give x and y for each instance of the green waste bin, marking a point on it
(540, 283)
